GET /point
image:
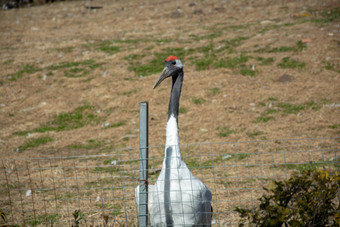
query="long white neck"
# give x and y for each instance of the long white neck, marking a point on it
(172, 149)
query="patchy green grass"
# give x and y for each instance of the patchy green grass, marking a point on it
(193, 163)
(115, 125)
(90, 144)
(110, 50)
(81, 116)
(130, 92)
(281, 49)
(305, 166)
(35, 142)
(204, 63)
(183, 110)
(225, 131)
(254, 134)
(298, 47)
(288, 108)
(265, 116)
(245, 71)
(27, 69)
(289, 63)
(109, 161)
(263, 119)
(231, 44)
(214, 90)
(272, 98)
(237, 64)
(64, 50)
(197, 101)
(117, 209)
(110, 169)
(8, 62)
(232, 63)
(330, 66)
(134, 57)
(75, 69)
(326, 16)
(43, 219)
(266, 61)
(335, 126)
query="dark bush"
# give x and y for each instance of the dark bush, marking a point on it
(309, 198)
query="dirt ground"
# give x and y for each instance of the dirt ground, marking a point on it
(71, 78)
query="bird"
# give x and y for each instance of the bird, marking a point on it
(178, 198)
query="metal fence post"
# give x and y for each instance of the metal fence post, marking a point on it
(143, 163)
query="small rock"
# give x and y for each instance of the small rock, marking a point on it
(105, 73)
(203, 130)
(44, 77)
(105, 124)
(252, 104)
(333, 105)
(192, 4)
(330, 34)
(220, 9)
(98, 198)
(176, 14)
(114, 162)
(198, 11)
(227, 156)
(28, 192)
(285, 78)
(267, 22)
(34, 29)
(253, 67)
(334, 158)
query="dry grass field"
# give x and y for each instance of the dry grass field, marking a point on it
(71, 80)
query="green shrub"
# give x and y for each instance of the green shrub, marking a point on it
(306, 199)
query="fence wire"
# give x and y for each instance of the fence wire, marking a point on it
(100, 188)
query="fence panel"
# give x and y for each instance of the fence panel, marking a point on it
(45, 191)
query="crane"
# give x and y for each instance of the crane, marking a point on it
(178, 198)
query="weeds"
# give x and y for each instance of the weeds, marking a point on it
(90, 144)
(294, 109)
(254, 134)
(214, 90)
(183, 110)
(75, 69)
(197, 101)
(27, 69)
(225, 131)
(35, 143)
(81, 116)
(44, 219)
(78, 216)
(327, 16)
(115, 125)
(289, 63)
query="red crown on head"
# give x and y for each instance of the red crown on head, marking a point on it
(171, 58)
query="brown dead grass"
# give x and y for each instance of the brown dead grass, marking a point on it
(47, 35)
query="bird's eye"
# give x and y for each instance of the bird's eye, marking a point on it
(173, 63)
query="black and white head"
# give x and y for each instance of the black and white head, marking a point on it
(173, 66)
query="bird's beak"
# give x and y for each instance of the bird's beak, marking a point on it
(165, 74)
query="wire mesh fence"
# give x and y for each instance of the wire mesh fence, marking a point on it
(98, 190)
